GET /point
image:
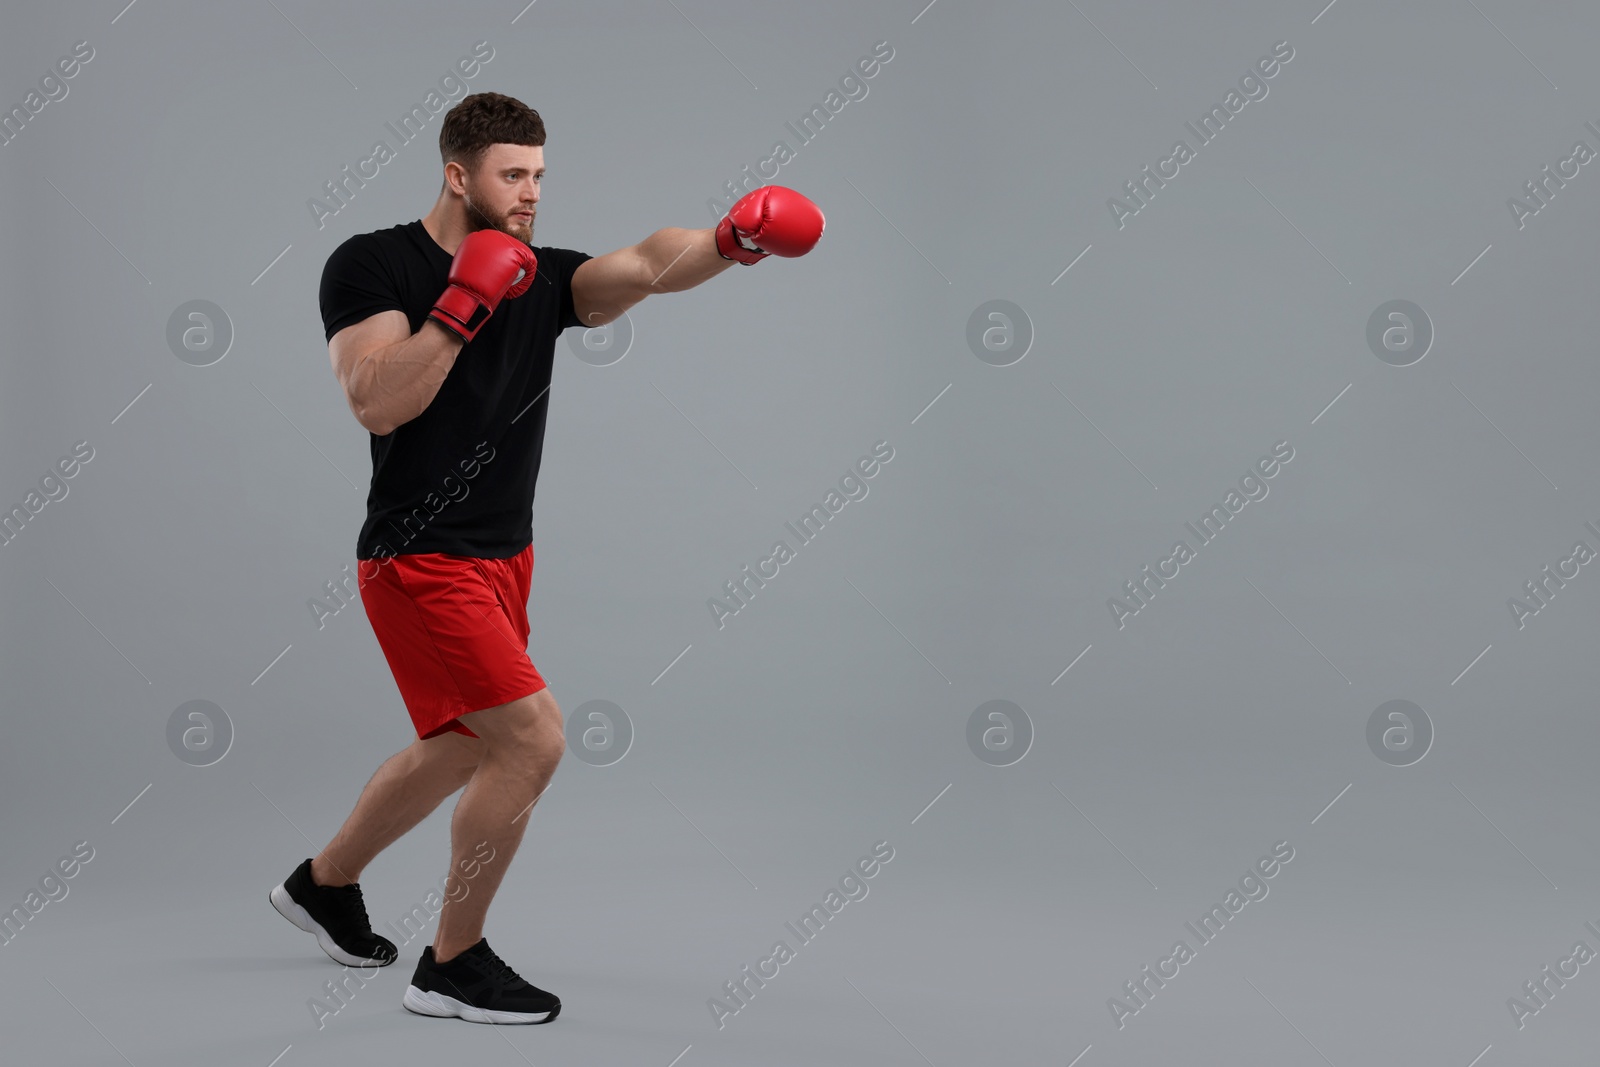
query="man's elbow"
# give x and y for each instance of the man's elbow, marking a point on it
(371, 421)
(600, 318)
(381, 427)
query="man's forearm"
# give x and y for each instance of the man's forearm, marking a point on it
(681, 259)
(394, 384)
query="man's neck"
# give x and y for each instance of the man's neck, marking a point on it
(447, 223)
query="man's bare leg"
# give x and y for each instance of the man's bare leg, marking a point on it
(402, 793)
(523, 742)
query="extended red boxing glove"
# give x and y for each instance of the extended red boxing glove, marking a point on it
(773, 221)
(489, 266)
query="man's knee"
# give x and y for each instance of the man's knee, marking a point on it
(550, 731)
(526, 730)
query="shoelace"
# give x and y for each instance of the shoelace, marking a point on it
(497, 967)
(349, 905)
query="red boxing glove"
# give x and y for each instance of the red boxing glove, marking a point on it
(770, 221)
(489, 266)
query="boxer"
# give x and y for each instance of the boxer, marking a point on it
(442, 333)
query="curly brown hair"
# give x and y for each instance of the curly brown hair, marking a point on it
(484, 119)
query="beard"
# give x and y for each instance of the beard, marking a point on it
(478, 219)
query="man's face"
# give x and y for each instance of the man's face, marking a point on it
(502, 192)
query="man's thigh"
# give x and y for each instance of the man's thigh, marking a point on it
(453, 634)
(531, 720)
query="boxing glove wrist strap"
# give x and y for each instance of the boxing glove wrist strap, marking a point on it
(729, 245)
(459, 312)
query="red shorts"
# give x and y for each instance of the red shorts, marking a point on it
(454, 630)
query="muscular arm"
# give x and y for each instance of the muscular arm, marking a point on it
(668, 261)
(390, 375)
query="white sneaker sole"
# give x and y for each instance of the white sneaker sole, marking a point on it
(442, 1007)
(285, 905)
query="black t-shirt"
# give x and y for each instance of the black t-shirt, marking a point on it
(458, 478)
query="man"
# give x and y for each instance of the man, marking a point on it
(442, 332)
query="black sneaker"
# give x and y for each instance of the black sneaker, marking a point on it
(479, 987)
(337, 915)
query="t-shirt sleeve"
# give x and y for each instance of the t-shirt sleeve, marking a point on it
(357, 283)
(560, 263)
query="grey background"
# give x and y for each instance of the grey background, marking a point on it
(1228, 715)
